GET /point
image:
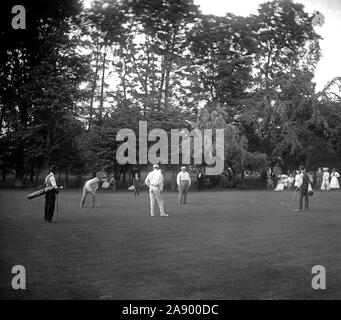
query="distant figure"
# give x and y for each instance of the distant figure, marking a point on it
(302, 188)
(136, 184)
(183, 181)
(200, 180)
(325, 180)
(312, 178)
(290, 181)
(319, 178)
(109, 183)
(154, 181)
(106, 182)
(282, 182)
(91, 187)
(334, 182)
(269, 179)
(297, 177)
(113, 183)
(50, 196)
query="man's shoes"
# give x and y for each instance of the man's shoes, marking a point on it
(51, 221)
(164, 215)
(152, 215)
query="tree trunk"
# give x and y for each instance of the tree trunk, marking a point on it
(161, 85)
(167, 87)
(102, 89)
(32, 172)
(19, 169)
(168, 67)
(173, 181)
(2, 116)
(93, 91)
(66, 177)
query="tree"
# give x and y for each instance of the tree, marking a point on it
(221, 51)
(40, 73)
(288, 51)
(236, 154)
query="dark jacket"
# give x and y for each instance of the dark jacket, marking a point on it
(136, 182)
(305, 184)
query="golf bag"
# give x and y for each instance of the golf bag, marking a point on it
(41, 192)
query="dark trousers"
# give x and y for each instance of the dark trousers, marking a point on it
(304, 196)
(50, 199)
(137, 191)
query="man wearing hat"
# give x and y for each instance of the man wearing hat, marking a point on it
(302, 188)
(154, 181)
(50, 196)
(183, 181)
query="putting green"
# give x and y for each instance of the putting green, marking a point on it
(211, 248)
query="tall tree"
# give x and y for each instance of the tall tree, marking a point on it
(40, 73)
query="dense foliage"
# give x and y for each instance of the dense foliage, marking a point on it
(74, 77)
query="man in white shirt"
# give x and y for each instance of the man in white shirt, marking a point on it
(154, 181)
(50, 196)
(183, 181)
(91, 187)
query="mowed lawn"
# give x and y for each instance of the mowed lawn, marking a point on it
(221, 245)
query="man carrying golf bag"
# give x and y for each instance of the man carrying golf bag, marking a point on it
(302, 188)
(50, 196)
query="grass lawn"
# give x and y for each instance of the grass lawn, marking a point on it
(211, 248)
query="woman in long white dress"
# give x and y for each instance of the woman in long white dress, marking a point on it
(325, 180)
(334, 182)
(281, 183)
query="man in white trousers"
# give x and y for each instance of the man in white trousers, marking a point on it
(154, 181)
(91, 187)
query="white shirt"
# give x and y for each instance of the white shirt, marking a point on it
(50, 180)
(326, 175)
(183, 176)
(91, 185)
(154, 178)
(299, 180)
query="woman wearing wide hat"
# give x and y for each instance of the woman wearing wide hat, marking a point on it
(325, 180)
(334, 182)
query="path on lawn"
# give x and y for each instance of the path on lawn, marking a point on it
(221, 245)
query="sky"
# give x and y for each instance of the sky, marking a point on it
(329, 65)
